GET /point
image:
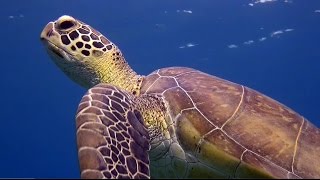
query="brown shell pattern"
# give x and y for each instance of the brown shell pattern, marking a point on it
(252, 128)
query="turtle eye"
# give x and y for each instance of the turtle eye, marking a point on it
(66, 25)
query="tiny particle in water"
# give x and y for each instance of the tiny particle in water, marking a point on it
(231, 46)
(248, 42)
(262, 39)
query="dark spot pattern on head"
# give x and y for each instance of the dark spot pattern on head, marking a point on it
(104, 49)
(73, 35)
(66, 25)
(87, 46)
(96, 53)
(79, 44)
(109, 47)
(83, 31)
(85, 27)
(73, 48)
(97, 44)
(85, 38)
(85, 52)
(94, 37)
(65, 40)
(95, 31)
(104, 40)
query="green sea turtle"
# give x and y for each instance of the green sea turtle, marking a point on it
(176, 122)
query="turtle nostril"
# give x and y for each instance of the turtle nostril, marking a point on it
(49, 33)
(66, 25)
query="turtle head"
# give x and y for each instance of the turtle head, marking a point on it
(79, 51)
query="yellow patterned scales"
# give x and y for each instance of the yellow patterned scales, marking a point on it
(176, 122)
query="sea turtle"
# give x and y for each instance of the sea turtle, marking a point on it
(176, 122)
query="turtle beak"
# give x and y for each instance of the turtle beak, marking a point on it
(47, 36)
(47, 32)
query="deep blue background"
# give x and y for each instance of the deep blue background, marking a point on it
(38, 102)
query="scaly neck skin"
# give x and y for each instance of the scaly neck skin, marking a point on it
(113, 69)
(153, 111)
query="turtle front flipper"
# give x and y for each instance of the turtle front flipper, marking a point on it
(112, 139)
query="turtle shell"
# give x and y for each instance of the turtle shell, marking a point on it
(233, 129)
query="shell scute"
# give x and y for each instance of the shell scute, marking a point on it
(253, 134)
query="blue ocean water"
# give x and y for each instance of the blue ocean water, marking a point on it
(269, 45)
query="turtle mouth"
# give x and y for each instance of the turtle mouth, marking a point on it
(53, 50)
(56, 51)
